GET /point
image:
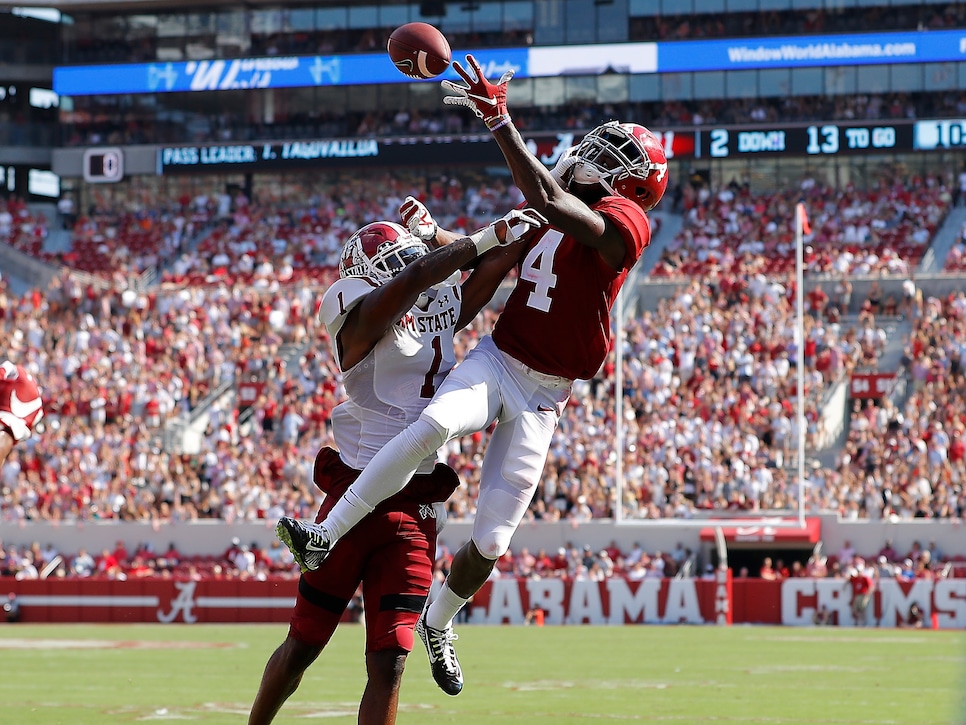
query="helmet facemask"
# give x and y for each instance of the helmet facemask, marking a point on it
(607, 155)
(626, 160)
(380, 251)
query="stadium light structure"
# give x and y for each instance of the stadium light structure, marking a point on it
(775, 519)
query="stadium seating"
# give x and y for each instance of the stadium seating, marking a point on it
(956, 259)
(714, 360)
(115, 43)
(883, 230)
(99, 125)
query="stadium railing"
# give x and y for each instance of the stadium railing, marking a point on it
(29, 270)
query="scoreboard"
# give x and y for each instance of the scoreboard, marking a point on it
(945, 134)
(831, 139)
(825, 139)
(809, 140)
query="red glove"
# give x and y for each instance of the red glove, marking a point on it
(20, 404)
(487, 100)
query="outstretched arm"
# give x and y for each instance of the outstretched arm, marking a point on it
(487, 275)
(421, 223)
(562, 209)
(367, 322)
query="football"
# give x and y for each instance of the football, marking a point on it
(419, 50)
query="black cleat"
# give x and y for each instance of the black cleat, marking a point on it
(442, 655)
(305, 540)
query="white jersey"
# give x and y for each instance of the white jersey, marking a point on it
(388, 389)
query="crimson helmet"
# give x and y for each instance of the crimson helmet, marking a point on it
(626, 159)
(21, 408)
(380, 251)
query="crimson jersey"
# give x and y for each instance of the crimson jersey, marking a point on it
(861, 584)
(20, 405)
(557, 319)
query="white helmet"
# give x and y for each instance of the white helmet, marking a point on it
(380, 251)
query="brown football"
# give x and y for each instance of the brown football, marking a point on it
(419, 50)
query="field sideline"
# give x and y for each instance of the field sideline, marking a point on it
(100, 674)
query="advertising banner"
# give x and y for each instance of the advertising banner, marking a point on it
(327, 153)
(823, 139)
(871, 385)
(271, 72)
(936, 46)
(615, 601)
(762, 533)
(933, 46)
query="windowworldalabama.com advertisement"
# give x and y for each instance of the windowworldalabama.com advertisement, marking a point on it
(820, 51)
(933, 46)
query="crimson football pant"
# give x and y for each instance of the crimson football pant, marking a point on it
(390, 552)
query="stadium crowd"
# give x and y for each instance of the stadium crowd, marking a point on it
(956, 259)
(245, 561)
(708, 375)
(292, 238)
(116, 366)
(708, 385)
(881, 230)
(107, 40)
(114, 242)
(910, 462)
(96, 126)
(296, 242)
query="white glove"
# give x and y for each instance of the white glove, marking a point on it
(20, 404)
(564, 164)
(417, 218)
(518, 223)
(441, 515)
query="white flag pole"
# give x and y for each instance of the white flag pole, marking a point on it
(800, 354)
(619, 409)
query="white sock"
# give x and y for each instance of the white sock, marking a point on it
(446, 606)
(346, 513)
(386, 474)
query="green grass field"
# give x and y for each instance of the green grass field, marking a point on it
(100, 674)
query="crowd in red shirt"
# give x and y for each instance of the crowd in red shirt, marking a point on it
(881, 230)
(708, 395)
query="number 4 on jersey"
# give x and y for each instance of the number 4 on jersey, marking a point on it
(538, 268)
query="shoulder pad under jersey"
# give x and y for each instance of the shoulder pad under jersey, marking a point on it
(339, 300)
